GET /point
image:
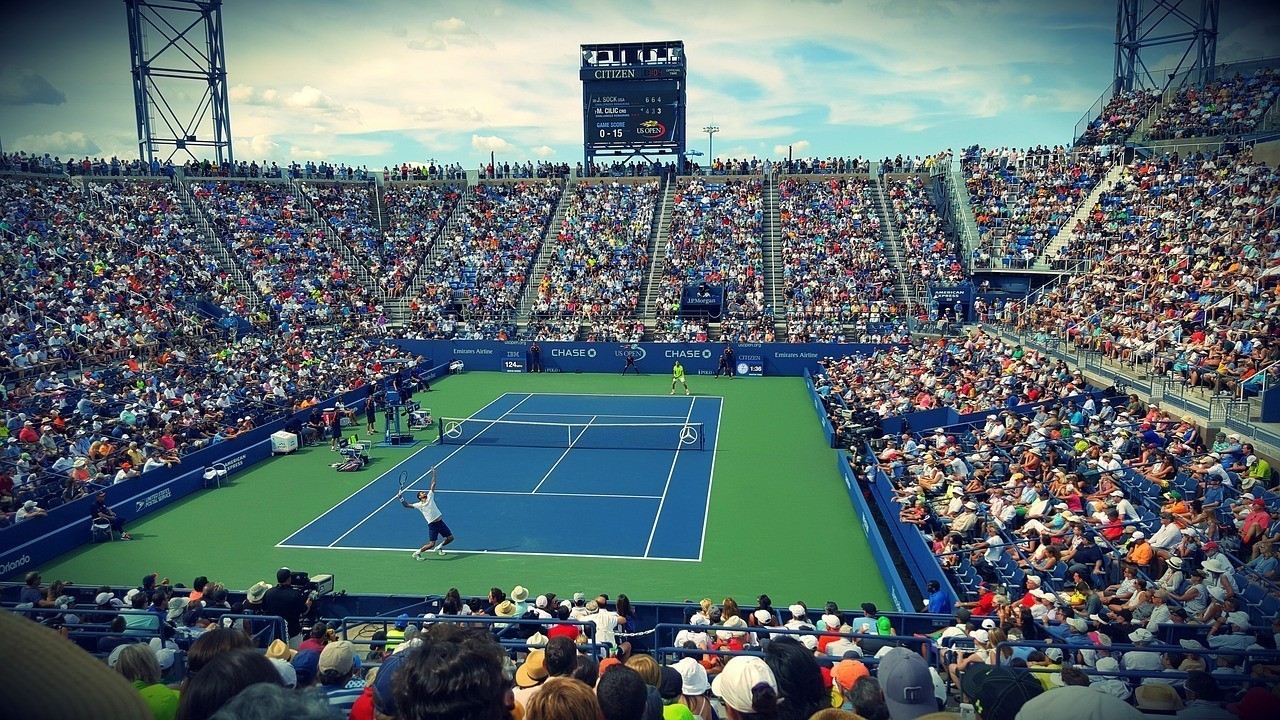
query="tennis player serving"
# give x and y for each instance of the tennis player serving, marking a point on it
(435, 522)
(677, 376)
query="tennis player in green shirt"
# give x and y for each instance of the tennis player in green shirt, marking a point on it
(677, 376)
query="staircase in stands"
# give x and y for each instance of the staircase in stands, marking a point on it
(1068, 231)
(903, 287)
(659, 236)
(775, 282)
(227, 261)
(329, 234)
(397, 309)
(550, 241)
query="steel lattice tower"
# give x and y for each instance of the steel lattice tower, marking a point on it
(1143, 24)
(176, 46)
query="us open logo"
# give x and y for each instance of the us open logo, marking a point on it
(637, 352)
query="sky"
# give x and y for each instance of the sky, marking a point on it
(377, 82)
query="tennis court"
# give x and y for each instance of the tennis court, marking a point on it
(533, 473)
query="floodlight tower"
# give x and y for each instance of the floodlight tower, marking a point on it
(179, 78)
(1188, 24)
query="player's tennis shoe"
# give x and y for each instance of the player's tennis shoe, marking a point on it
(673, 392)
(440, 551)
(417, 555)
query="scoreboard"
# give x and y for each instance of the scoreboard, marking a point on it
(634, 102)
(632, 113)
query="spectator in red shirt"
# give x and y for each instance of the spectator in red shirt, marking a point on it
(562, 628)
(28, 433)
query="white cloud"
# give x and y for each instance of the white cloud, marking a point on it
(491, 143)
(59, 143)
(303, 154)
(799, 147)
(543, 151)
(310, 97)
(262, 146)
(451, 26)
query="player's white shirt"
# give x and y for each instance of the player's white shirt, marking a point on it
(428, 507)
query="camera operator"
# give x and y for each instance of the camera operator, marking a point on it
(288, 602)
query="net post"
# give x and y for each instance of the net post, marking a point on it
(440, 429)
(702, 437)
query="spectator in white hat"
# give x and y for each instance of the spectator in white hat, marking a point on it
(748, 688)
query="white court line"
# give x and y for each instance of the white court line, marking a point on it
(706, 512)
(388, 472)
(500, 552)
(563, 455)
(549, 494)
(446, 457)
(672, 471)
(655, 395)
(664, 417)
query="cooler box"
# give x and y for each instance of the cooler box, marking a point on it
(283, 442)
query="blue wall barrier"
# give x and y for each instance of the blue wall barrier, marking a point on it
(918, 557)
(34, 542)
(875, 540)
(821, 409)
(652, 358)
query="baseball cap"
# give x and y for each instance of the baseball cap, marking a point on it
(338, 656)
(383, 699)
(670, 683)
(998, 693)
(846, 672)
(907, 684)
(740, 676)
(306, 665)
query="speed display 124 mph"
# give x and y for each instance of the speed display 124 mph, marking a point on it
(622, 113)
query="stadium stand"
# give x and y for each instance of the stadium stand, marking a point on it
(597, 265)
(1119, 118)
(1021, 198)
(834, 266)
(1089, 538)
(417, 214)
(715, 237)
(1166, 290)
(1228, 106)
(930, 255)
(476, 277)
(304, 277)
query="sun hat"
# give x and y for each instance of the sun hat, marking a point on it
(693, 676)
(257, 592)
(736, 683)
(533, 670)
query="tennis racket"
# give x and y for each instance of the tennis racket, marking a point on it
(404, 481)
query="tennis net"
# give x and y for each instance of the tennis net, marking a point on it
(610, 436)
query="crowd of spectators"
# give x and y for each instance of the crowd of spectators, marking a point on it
(930, 255)
(716, 237)
(1022, 198)
(1099, 527)
(168, 649)
(95, 275)
(529, 170)
(1229, 106)
(1187, 293)
(1119, 118)
(833, 263)
(69, 433)
(597, 264)
(417, 214)
(289, 257)
(431, 171)
(46, 164)
(475, 281)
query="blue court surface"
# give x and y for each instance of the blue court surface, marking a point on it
(630, 464)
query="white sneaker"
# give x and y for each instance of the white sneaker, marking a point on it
(417, 555)
(673, 392)
(440, 550)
